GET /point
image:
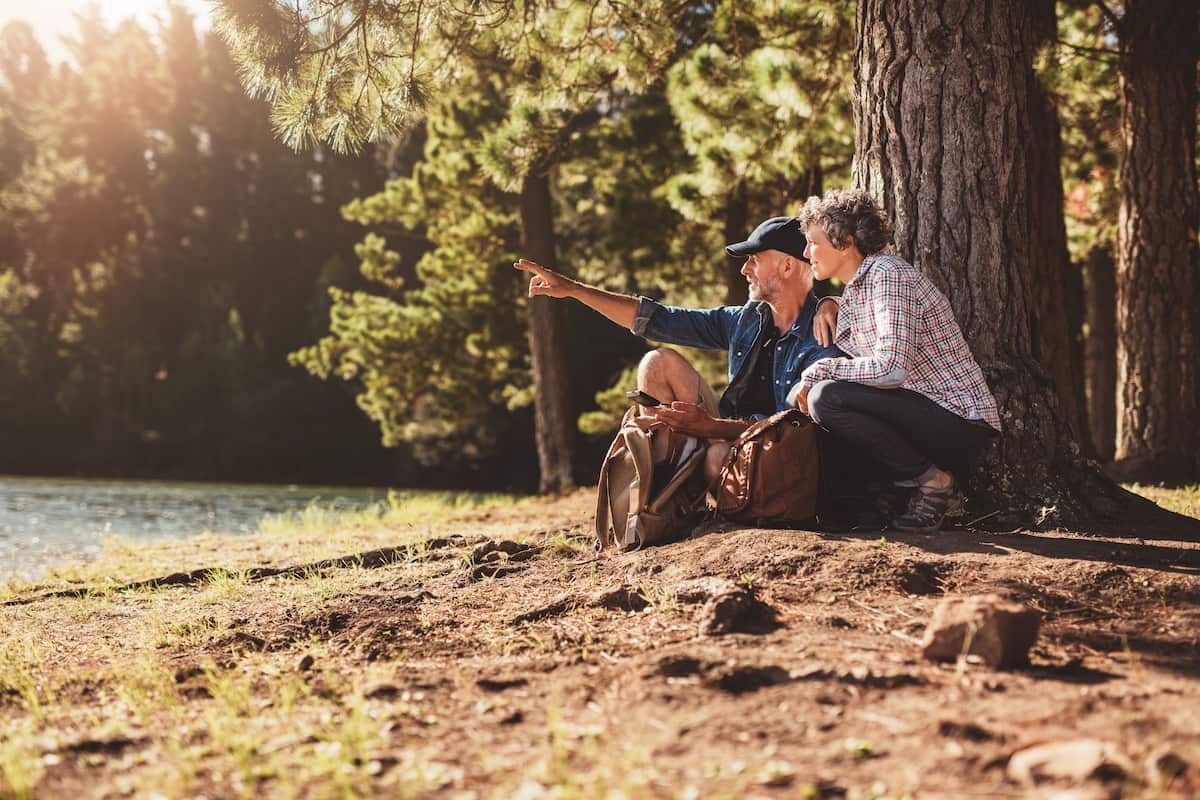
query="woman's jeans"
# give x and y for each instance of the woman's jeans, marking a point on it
(904, 431)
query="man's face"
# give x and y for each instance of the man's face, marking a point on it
(762, 273)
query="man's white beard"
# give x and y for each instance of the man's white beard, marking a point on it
(768, 290)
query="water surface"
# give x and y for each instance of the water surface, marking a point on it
(44, 519)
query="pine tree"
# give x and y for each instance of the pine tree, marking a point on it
(321, 67)
(1083, 80)
(764, 107)
(1158, 355)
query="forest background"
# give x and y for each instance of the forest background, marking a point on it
(175, 281)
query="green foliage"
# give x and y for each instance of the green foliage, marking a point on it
(1081, 72)
(642, 156)
(764, 106)
(160, 253)
(440, 363)
(348, 74)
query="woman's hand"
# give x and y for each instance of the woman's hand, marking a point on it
(825, 322)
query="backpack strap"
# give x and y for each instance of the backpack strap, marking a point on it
(637, 444)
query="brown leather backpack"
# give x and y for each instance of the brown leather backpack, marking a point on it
(771, 473)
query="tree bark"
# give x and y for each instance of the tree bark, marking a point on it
(1058, 317)
(1102, 351)
(1156, 243)
(737, 210)
(554, 425)
(946, 113)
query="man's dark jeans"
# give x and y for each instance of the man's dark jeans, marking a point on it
(904, 431)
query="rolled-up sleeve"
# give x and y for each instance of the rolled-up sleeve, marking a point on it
(644, 312)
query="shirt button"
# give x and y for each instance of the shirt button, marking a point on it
(739, 352)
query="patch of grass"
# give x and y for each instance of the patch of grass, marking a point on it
(567, 544)
(232, 690)
(1182, 500)
(20, 766)
(223, 583)
(318, 532)
(401, 509)
(147, 689)
(191, 632)
(20, 675)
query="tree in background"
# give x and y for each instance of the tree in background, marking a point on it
(765, 115)
(1058, 297)
(438, 361)
(345, 76)
(160, 253)
(1083, 80)
(439, 350)
(1158, 289)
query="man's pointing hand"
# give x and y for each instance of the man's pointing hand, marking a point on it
(544, 281)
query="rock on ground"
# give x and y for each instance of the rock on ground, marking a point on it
(999, 631)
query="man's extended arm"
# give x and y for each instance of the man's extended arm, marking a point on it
(620, 308)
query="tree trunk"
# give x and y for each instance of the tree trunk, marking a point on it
(1102, 351)
(1156, 243)
(554, 426)
(736, 212)
(1058, 313)
(946, 113)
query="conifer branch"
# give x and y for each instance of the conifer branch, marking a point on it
(1095, 53)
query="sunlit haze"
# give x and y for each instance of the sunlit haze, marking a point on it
(53, 19)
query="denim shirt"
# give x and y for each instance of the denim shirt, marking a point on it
(737, 329)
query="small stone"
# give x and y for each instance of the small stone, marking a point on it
(737, 611)
(1164, 765)
(505, 547)
(998, 631)
(305, 663)
(501, 684)
(379, 691)
(1069, 761)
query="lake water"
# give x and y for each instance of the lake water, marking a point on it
(44, 519)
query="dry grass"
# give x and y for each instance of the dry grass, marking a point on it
(233, 686)
(158, 690)
(1182, 500)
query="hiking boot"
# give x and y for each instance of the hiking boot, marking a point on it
(927, 508)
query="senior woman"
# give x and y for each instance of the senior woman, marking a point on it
(910, 392)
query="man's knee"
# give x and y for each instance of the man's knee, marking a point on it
(661, 372)
(661, 361)
(825, 401)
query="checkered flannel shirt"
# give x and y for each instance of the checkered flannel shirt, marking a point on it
(899, 331)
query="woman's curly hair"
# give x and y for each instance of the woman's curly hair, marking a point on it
(847, 212)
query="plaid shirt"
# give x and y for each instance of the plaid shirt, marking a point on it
(899, 331)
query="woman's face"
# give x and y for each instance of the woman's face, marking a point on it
(828, 261)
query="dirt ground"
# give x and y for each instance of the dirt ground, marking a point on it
(527, 668)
